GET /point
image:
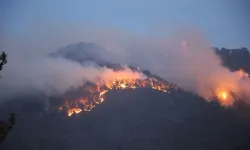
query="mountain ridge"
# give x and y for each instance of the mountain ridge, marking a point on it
(83, 52)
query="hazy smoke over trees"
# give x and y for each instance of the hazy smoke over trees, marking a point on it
(185, 58)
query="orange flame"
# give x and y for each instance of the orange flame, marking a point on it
(225, 98)
(74, 110)
(224, 95)
(96, 95)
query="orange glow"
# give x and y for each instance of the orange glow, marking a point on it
(225, 98)
(123, 86)
(96, 95)
(103, 92)
(242, 74)
(224, 95)
(74, 110)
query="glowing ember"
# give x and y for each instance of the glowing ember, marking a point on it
(74, 110)
(224, 95)
(225, 98)
(123, 86)
(103, 92)
(95, 95)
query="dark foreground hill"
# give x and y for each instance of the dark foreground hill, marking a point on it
(129, 120)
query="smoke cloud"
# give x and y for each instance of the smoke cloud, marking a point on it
(184, 58)
(55, 76)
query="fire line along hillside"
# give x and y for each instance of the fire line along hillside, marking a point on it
(90, 52)
(130, 120)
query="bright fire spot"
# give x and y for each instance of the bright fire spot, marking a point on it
(103, 92)
(95, 94)
(224, 95)
(123, 86)
(74, 110)
(225, 98)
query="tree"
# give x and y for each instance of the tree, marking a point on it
(5, 127)
(3, 60)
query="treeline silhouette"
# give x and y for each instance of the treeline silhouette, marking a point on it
(5, 126)
(3, 60)
(235, 59)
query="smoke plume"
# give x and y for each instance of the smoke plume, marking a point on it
(53, 75)
(184, 58)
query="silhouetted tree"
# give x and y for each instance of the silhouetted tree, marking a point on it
(235, 59)
(3, 60)
(5, 127)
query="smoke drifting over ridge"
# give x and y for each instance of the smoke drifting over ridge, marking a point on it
(185, 59)
(55, 76)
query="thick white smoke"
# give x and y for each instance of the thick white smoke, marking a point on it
(184, 58)
(28, 70)
(56, 76)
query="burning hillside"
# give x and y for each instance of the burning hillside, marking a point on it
(185, 66)
(230, 88)
(95, 93)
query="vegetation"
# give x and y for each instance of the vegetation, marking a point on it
(3, 60)
(5, 126)
(235, 59)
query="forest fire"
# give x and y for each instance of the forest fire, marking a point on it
(95, 94)
(90, 95)
(225, 98)
(228, 91)
(224, 95)
(74, 110)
